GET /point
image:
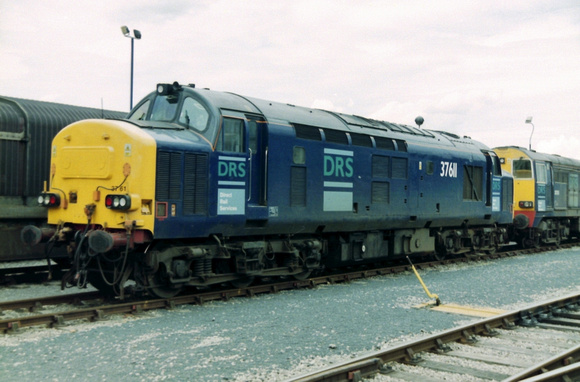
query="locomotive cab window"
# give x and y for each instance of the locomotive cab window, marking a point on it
(253, 135)
(496, 164)
(231, 136)
(522, 168)
(164, 108)
(193, 115)
(140, 114)
(541, 173)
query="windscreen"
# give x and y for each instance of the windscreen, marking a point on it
(164, 108)
(522, 169)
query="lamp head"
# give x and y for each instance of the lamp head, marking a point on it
(125, 30)
(419, 121)
(529, 120)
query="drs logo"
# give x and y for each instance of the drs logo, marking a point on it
(232, 169)
(338, 166)
(448, 169)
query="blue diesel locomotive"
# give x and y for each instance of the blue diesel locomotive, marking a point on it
(200, 187)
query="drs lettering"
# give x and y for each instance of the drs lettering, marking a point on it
(338, 166)
(448, 169)
(232, 169)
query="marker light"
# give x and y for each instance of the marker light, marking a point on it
(523, 204)
(47, 199)
(118, 202)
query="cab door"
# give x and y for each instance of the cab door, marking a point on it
(241, 150)
(544, 199)
(493, 181)
(257, 133)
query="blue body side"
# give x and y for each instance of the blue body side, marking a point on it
(298, 185)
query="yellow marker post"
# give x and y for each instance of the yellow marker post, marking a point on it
(431, 295)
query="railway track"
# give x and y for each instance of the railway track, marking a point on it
(32, 274)
(538, 343)
(49, 311)
(35, 304)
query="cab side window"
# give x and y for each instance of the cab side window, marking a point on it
(231, 138)
(140, 114)
(541, 173)
(194, 115)
(253, 135)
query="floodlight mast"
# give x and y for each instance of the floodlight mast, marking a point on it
(529, 120)
(136, 35)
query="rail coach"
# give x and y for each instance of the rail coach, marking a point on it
(546, 196)
(27, 128)
(200, 187)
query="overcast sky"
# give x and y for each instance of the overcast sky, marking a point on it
(475, 68)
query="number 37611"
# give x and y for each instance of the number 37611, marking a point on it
(448, 169)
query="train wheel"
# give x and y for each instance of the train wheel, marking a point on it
(530, 242)
(558, 239)
(303, 275)
(164, 292)
(242, 282)
(160, 284)
(491, 250)
(439, 256)
(494, 245)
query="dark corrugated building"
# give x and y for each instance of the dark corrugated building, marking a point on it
(26, 131)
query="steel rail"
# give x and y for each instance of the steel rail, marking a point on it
(34, 304)
(376, 362)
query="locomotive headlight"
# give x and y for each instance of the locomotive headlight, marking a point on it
(526, 204)
(49, 200)
(118, 202)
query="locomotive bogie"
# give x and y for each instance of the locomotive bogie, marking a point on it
(205, 264)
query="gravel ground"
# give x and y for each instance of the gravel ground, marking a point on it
(273, 337)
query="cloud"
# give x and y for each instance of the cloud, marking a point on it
(474, 69)
(566, 146)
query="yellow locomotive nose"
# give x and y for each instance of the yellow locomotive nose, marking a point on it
(95, 165)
